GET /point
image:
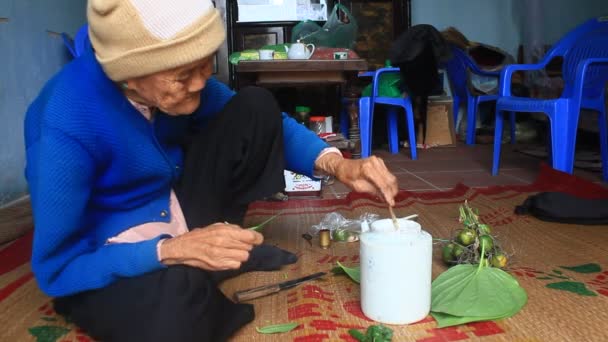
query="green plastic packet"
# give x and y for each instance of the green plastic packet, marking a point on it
(388, 86)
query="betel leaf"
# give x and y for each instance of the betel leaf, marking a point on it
(337, 270)
(586, 268)
(470, 290)
(277, 328)
(258, 227)
(447, 320)
(353, 272)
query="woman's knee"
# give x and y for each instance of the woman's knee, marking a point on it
(260, 102)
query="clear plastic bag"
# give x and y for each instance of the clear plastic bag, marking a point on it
(343, 229)
(339, 31)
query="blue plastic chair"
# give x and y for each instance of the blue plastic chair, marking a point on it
(458, 68)
(585, 73)
(366, 116)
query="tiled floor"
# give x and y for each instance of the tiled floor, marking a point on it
(441, 168)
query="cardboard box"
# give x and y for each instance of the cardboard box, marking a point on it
(439, 123)
(297, 184)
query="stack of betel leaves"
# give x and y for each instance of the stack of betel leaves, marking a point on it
(475, 289)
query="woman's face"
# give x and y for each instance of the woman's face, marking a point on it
(176, 91)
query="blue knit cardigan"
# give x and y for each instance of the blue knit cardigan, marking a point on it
(96, 167)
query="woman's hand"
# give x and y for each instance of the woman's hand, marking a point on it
(368, 175)
(220, 246)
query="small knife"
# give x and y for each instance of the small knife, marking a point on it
(261, 291)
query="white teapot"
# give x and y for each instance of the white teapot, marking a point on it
(300, 50)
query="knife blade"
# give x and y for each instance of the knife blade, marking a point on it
(261, 291)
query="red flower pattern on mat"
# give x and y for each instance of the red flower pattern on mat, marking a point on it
(485, 328)
(302, 311)
(83, 338)
(347, 338)
(444, 334)
(600, 283)
(332, 259)
(479, 329)
(353, 307)
(311, 338)
(501, 217)
(315, 292)
(325, 324)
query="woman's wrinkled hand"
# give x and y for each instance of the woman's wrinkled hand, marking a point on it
(220, 246)
(368, 175)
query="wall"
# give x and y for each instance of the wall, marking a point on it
(29, 56)
(502, 22)
(561, 16)
(485, 21)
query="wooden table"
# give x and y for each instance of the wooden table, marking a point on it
(298, 72)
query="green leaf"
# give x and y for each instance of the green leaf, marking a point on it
(356, 334)
(483, 292)
(447, 320)
(48, 333)
(337, 270)
(259, 226)
(571, 286)
(379, 333)
(277, 328)
(374, 333)
(353, 272)
(586, 268)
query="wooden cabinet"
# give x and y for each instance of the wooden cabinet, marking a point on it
(242, 36)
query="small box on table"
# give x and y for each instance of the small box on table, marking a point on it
(300, 185)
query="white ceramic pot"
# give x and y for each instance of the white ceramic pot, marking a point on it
(396, 272)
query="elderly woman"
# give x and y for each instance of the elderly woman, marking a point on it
(131, 148)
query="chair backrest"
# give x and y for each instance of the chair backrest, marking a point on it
(596, 76)
(457, 71)
(588, 40)
(569, 39)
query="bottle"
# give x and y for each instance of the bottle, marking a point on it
(302, 115)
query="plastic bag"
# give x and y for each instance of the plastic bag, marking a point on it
(342, 229)
(388, 86)
(339, 31)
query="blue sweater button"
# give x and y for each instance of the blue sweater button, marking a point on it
(163, 213)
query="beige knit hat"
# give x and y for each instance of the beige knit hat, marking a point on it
(134, 38)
